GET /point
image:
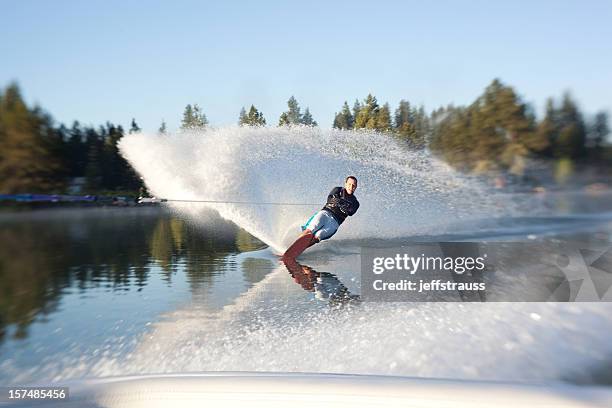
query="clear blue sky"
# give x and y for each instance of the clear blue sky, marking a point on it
(113, 60)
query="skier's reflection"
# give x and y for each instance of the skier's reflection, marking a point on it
(325, 285)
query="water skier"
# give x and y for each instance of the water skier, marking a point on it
(341, 203)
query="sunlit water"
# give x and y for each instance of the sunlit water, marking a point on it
(103, 292)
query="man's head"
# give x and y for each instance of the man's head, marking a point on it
(350, 184)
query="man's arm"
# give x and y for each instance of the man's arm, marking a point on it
(348, 207)
(353, 208)
(334, 196)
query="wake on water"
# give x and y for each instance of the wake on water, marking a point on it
(401, 192)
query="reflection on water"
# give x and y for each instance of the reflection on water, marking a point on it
(325, 285)
(47, 254)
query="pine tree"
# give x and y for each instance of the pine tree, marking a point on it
(368, 113)
(420, 126)
(254, 118)
(344, 119)
(403, 115)
(496, 132)
(27, 159)
(600, 130)
(187, 121)
(307, 119)
(111, 158)
(293, 116)
(134, 127)
(200, 121)
(162, 128)
(193, 118)
(93, 171)
(283, 120)
(548, 129)
(571, 142)
(242, 118)
(348, 117)
(383, 119)
(356, 109)
(76, 151)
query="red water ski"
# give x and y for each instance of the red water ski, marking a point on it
(303, 242)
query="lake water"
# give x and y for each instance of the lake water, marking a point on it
(114, 291)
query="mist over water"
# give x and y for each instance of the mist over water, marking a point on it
(402, 192)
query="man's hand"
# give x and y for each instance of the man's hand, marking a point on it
(343, 205)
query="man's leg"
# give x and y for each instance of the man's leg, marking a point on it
(313, 239)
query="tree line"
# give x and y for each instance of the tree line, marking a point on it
(497, 132)
(37, 157)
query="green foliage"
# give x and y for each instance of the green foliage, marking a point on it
(242, 117)
(403, 115)
(253, 118)
(496, 132)
(599, 130)
(344, 119)
(293, 116)
(562, 133)
(193, 118)
(356, 109)
(571, 141)
(368, 113)
(307, 119)
(30, 158)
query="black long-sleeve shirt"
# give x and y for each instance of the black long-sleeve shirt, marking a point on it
(341, 204)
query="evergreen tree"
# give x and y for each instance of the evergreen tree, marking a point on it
(254, 118)
(598, 133)
(368, 113)
(134, 127)
(242, 117)
(403, 115)
(548, 129)
(307, 119)
(421, 127)
(162, 128)
(571, 141)
(200, 121)
(283, 120)
(27, 159)
(293, 115)
(383, 119)
(109, 157)
(344, 119)
(187, 121)
(348, 117)
(75, 151)
(496, 132)
(93, 171)
(356, 109)
(600, 130)
(193, 118)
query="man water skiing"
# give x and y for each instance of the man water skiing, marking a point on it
(341, 203)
